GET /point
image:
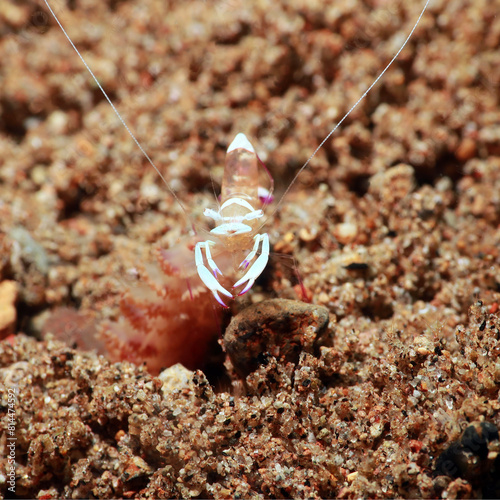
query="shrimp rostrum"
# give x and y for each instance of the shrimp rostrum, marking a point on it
(237, 223)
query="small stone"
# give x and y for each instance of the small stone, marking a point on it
(466, 149)
(14, 15)
(58, 122)
(120, 435)
(413, 468)
(346, 232)
(307, 234)
(39, 175)
(177, 377)
(376, 430)
(282, 328)
(352, 476)
(323, 298)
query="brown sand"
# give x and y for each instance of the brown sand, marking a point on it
(395, 227)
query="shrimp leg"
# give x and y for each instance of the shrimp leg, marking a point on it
(205, 275)
(258, 266)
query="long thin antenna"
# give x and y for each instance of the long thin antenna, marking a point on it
(143, 151)
(350, 111)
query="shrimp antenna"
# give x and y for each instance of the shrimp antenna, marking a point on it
(143, 151)
(350, 111)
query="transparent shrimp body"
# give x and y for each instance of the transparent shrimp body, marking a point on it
(236, 223)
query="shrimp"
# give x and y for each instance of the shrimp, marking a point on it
(236, 221)
(237, 236)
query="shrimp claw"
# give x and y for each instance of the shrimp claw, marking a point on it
(205, 275)
(258, 266)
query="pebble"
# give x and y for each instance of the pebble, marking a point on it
(176, 377)
(466, 149)
(346, 232)
(282, 328)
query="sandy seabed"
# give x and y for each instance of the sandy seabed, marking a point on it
(395, 228)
